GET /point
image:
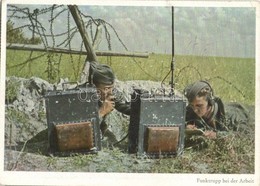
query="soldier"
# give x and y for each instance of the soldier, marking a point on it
(103, 78)
(207, 112)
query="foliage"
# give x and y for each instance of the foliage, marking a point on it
(18, 116)
(16, 35)
(11, 90)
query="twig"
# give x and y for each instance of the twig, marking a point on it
(16, 162)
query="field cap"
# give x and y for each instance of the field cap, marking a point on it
(192, 90)
(102, 74)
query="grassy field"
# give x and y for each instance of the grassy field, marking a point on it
(233, 79)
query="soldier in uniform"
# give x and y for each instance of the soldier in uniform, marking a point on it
(207, 112)
(103, 78)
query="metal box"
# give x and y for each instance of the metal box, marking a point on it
(157, 125)
(73, 122)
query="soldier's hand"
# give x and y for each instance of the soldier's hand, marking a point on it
(191, 126)
(210, 134)
(107, 106)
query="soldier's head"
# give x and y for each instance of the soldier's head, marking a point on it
(200, 97)
(103, 78)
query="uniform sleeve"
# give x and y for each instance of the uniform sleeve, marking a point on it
(124, 108)
(190, 115)
(121, 104)
(192, 118)
(237, 116)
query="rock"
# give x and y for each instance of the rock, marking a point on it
(25, 115)
(39, 85)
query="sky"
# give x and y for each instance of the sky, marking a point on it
(203, 31)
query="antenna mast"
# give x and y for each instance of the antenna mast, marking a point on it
(173, 60)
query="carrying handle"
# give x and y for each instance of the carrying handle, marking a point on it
(71, 82)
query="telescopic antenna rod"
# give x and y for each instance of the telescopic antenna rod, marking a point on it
(173, 60)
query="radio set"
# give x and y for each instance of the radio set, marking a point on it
(157, 125)
(73, 122)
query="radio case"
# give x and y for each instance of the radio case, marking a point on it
(157, 125)
(73, 122)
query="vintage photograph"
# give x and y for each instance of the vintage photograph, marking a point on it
(159, 89)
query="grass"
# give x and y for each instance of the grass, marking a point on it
(226, 155)
(11, 90)
(233, 79)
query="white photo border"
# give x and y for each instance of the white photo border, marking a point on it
(124, 179)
